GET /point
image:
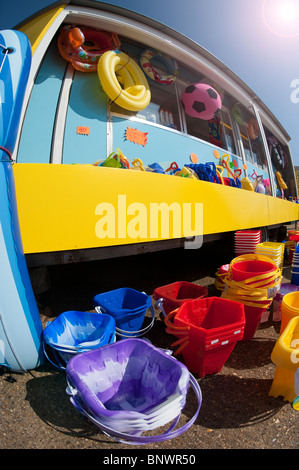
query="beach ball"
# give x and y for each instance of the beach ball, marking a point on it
(201, 101)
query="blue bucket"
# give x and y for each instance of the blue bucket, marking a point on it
(128, 307)
(75, 332)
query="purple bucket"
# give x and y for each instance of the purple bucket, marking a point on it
(129, 387)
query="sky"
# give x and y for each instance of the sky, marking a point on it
(256, 39)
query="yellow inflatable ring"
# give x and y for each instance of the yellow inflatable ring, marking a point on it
(123, 81)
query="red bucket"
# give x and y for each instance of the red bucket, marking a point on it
(212, 326)
(174, 295)
(247, 269)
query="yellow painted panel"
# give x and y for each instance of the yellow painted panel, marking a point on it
(37, 28)
(60, 206)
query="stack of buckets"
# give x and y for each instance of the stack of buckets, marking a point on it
(295, 267)
(289, 308)
(246, 241)
(208, 329)
(293, 236)
(128, 308)
(275, 251)
(252, 280)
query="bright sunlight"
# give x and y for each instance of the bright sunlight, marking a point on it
(282, 17)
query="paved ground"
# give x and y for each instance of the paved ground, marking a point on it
(236, 413)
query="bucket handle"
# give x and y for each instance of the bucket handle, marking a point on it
(171, 325)
(59, 364)
(133, 439)
(130, 334)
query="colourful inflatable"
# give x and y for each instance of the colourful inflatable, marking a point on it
(253, 129)
(123, 81)
(170, 64)
(201, 101)
(83, 47)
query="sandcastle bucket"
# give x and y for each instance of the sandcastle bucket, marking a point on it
(252, 280)
(128, 308)
(289, 308)
(208, 329)
(172, 296)
(285, 356)
(129, 387)
(74, 332)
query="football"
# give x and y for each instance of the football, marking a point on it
(201, 101)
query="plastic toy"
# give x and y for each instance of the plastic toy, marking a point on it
(83, 47)
(208, 329)
(128, 307)
(75, 332)
(170, 64)
(133, 93)
(129, 387)
(253, 129)
(201, 101)
(285, 357)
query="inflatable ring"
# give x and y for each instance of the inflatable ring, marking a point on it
(83, 47)
(253, 129)
(237, 114)
(151, 72)
(123, 81)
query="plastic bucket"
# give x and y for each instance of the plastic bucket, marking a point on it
(242, 270)
(253, 280)
(245, 270)
(208, 329)
(172, 296)
(130, 387)
(289, 308)
(128, 308)
(74, 332)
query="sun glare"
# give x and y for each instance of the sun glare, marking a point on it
(282, 17)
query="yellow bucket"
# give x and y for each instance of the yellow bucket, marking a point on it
(289, 308)
(285, 356)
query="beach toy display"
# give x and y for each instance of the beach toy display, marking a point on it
(74, 332)
(129, 387)
(246, 241)
(208, 330)
(83, 47)
(252, 280)
(123, 81)
(115, 160)
(128, 307)
(285, 357)
(172, 296)
(272, 250)
(289, 308)
(201, 101)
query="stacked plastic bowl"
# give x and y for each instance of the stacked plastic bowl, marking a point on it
(275, 251)
(129, 387)
(246, 241)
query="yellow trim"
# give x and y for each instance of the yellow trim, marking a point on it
(57, 203)
(37, 28)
